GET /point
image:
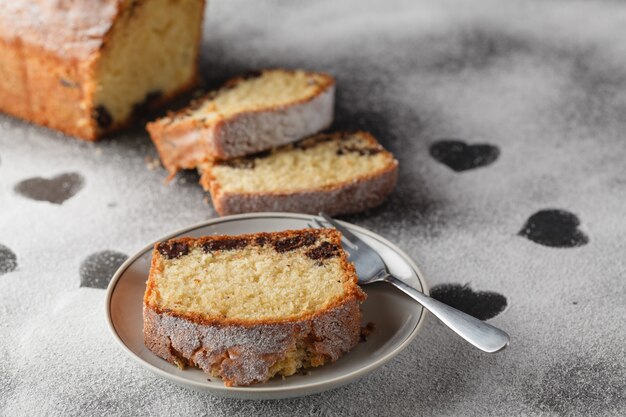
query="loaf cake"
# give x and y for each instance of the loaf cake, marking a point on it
(249, 114)
(85, 67)
(337, 173)
(246, 308)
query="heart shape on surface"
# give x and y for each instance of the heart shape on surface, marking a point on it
(98, 268)
(554, 228)
(8, 260)
(55, 190)
(459, 156)
(481, 304)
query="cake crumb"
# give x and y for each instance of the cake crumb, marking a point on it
(152, 163)
(367, 330)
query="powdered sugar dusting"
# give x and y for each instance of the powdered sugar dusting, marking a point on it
(244, 354)
(69, 28)
(543, 81)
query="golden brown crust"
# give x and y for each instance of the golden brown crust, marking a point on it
(48, 92)
(48, 56)
(186, 143)
(342, 198)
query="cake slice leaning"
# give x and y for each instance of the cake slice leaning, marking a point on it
(248, 114)
(338, 173)
(246, 308)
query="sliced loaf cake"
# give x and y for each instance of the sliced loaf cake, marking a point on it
(337, 173)
(88, 67)
(248, 114)
(246, 308)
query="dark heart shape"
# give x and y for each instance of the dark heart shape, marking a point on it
(481, 304)
(54, 190)
(555, 228)
(460, 156)
(8, 260)
(98, 268)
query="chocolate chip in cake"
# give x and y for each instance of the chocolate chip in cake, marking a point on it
(8, 260)
(173, 250)
(295, 242)
(261, 155)
(252, 74)
(344, 149)
(102, 117)
(239, 163)
(153, 96)
(261, 240)
(312, 142)
(98, 268)
(145, 105)
(224, 244)
(247, 162)
(325, 250)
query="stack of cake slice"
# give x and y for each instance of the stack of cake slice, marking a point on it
(251, 141)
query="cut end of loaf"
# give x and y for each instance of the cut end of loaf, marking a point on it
(149, 55)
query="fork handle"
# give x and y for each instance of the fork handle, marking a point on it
(480, 334)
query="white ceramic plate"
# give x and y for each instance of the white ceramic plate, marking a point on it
(396, 317)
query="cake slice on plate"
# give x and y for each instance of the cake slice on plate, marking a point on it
(246, 308)
(337, 173)
(248, 114)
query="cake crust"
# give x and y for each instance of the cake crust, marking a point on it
(189, 142)
(49, 54)
(247, 351)
(342, 198)
(244, 354)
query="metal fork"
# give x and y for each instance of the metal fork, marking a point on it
(370, 268)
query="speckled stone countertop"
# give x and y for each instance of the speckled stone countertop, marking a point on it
(508, 119)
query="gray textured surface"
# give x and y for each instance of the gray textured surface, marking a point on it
(543, 81)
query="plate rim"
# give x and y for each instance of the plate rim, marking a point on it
(259, 390)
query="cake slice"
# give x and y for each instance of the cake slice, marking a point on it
(246, 308)
(337, 173)
(88, 67)
(248, 114)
